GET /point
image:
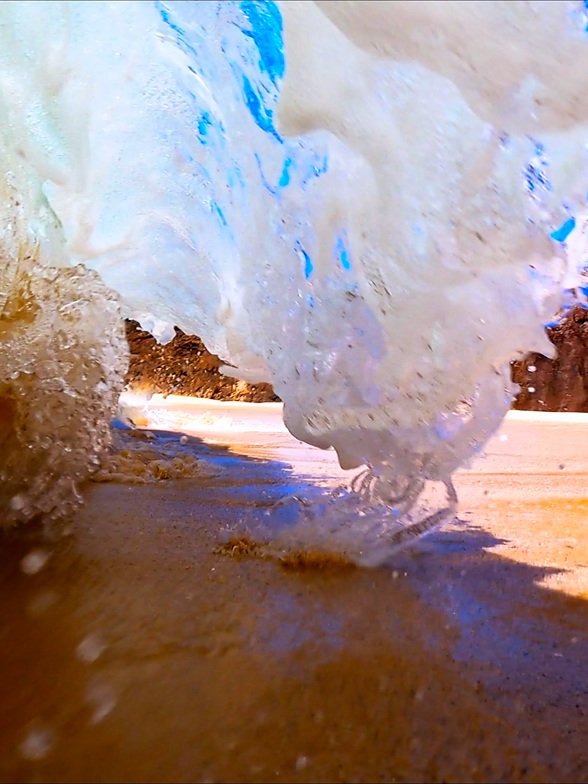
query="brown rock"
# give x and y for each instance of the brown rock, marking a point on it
(559, 384)
(185, 367)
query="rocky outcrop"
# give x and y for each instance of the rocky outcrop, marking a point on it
(185, 367)
(559, 384)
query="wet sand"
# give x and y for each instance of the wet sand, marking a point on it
(139, 651)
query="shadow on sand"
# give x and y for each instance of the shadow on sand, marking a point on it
(138, 652)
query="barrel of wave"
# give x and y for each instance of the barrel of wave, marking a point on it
(63, 356)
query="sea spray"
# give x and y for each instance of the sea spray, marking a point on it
(360, 217)
(62, 357)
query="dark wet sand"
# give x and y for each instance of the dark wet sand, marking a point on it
(464, 659)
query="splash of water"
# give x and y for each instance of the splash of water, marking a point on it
(352, 201)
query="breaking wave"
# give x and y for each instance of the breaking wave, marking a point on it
(373, 206)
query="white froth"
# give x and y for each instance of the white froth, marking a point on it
(367, 229)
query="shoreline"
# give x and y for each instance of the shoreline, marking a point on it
(137, 651)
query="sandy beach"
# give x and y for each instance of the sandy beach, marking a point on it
(139, 648)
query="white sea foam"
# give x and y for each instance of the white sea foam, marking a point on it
(352, 201)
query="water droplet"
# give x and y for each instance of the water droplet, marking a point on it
(301, 762)
(91, 648)
(504, 437)
(17, 502)
(100, 695)
(34, 561)
(531, 389)
(183, 439)
(531, 368)
(38, 742)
